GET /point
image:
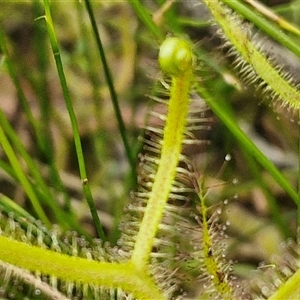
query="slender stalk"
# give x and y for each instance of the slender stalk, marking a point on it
(82, 169)
(113, 94)
(42, 88)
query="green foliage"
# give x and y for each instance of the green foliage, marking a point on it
(168, 241)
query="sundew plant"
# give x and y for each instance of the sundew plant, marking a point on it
(149, 150)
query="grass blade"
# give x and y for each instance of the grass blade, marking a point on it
(67, 98)
(113, 94)
(22, 177)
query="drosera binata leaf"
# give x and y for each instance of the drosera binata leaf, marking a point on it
(254, 65)
(176, 59)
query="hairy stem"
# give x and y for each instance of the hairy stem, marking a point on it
(79, 270)
(171, 149)
(238, 34)
(210, 258)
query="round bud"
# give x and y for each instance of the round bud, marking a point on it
(175, 56)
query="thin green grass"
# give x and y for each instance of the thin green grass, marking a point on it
(112, 91)
(67, 98)
(22, 177)
(40, 84)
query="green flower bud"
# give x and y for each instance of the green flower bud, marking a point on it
(175, 56)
